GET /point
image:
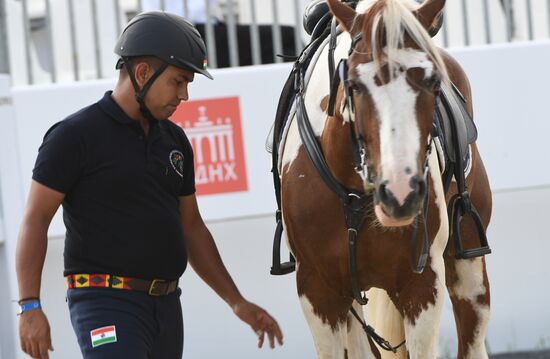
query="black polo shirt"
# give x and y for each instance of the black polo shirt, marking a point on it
(121, 207)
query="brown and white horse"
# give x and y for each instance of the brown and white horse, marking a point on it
(394, 74)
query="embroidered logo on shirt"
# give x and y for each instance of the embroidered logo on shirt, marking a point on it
(176, 159)
(103, 335)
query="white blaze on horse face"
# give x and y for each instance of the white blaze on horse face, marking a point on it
(329, 343)
(395, 104)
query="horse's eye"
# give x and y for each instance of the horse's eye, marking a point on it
(355, 87)
(432, 83)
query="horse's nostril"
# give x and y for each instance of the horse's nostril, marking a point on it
(418, 185)
(383, 193)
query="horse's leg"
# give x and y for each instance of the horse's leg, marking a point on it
(421, 307)
(469, 291)
(421, 301)
(326, 313)
(467, 279)
(358, 345)
(384, 317)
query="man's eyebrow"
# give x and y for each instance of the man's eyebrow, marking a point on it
(186, 77)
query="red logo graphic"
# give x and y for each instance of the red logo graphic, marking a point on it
(214, 129)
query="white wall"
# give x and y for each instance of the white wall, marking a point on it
(11, 203)
(511, 109)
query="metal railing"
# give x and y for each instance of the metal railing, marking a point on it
(495, 21)
(4, 55)
(72, 40)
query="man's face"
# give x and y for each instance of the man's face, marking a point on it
(167, 91)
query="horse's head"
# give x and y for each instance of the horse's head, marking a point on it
(393, 75)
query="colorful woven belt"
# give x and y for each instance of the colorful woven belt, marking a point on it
(153, 287)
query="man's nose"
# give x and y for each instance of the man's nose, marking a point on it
(183, 93)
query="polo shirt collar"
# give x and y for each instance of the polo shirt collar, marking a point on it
(109, 105)
(112, 108)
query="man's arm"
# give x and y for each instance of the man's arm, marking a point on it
(205, 259)
(43, 202)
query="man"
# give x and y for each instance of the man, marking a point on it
(124, 175)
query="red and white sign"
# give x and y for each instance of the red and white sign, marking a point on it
(214, 130)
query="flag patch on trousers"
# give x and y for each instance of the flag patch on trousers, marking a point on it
(103, 335)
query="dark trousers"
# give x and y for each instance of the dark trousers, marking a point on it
(146, 327)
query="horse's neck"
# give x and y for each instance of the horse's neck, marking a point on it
(337, 149)
(332, 131)
(318, 87)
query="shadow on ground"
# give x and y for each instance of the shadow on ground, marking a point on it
(544, 354)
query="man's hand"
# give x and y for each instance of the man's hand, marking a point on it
(260, 321)
(34, 334)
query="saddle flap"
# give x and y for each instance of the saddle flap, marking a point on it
(458, 127)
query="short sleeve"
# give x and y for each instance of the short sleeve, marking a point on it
(188, 187)
(60, 158)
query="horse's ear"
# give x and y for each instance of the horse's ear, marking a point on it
(343, 13)
(428, 12)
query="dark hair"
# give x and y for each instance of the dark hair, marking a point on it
(152, 61)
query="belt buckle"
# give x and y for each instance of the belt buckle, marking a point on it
(153, 286)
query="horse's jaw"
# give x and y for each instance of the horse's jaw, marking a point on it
(388, 221)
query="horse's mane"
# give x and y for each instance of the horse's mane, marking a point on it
(385, 26)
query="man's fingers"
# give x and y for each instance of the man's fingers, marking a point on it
(24, 347)
(261, 336)
(35, 350)
(275, 331)
(44, 346)
(278, 334)
(271, 339)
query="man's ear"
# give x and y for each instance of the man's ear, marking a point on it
(142, 73)
(343, 13)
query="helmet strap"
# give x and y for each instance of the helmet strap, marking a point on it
(140, 93)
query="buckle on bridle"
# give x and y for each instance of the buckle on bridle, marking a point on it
(154, 286)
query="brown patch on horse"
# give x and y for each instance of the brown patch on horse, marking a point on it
(345, 15)
(383, 77)
(415, 292)
(466, 317)
(415, 76)
(374, 12)
(428, 12)
(324, 103)
(466, 325)
(327, 304)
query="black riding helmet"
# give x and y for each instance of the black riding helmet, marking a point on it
(168, 37)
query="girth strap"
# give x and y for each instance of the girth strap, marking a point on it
(355, 210)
